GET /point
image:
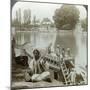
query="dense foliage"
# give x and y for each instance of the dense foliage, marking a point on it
(66, 17)
(84, 24)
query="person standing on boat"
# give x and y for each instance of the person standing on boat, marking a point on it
(58, 50)
(49, 49)
(68, 52)
(63, 52)
(37, 69)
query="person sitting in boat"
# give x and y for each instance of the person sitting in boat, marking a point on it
(37, 71)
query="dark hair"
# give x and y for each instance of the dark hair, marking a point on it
(63, 49)
(36, 54)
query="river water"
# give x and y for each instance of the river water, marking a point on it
(75, 40)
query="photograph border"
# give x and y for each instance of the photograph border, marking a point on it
(11, 7)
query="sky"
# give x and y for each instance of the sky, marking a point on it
(43, 10)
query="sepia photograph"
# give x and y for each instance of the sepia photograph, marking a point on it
(49, 44)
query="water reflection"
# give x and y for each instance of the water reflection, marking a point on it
(77, 41)
(81, 44)
(37, 39)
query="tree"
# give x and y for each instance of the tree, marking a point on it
(35, 22)
(19, 16)
(66, 17)
(27, 16)
(84, 24)
(17, 20)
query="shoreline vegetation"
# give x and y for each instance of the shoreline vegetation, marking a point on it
(64, 18)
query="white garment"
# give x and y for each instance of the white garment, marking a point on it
(73, 76)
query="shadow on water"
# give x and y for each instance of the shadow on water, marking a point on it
(66, 39)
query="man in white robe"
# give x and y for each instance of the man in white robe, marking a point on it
(37, 69)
